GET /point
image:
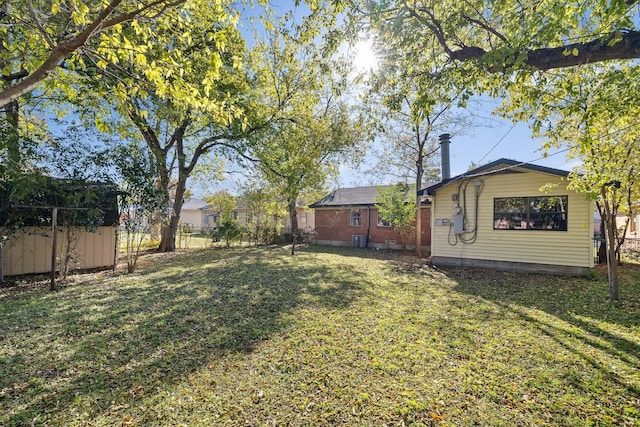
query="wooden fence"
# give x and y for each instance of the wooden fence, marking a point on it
(28, 251)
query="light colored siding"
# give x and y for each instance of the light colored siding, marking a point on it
(29, 250)
(191, 217)
(567, 248)
(242, 216)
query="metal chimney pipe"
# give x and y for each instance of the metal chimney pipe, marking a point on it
(445, 140)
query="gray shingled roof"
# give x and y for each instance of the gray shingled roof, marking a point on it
(354, 196)
(195, 204)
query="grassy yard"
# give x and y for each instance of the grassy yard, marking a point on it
(183, 241)
(252, 337)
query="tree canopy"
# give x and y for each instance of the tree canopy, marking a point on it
(499, 35)
(39, 36)
(516, 51)
(183, 95)
(311, 129)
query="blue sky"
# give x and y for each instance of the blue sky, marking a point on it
(484, 145)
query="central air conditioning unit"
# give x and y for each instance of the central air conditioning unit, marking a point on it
(358, 241)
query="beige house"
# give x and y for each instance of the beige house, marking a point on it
(634, 226)
(306, 220)
(241, 214)
(498, 216)
(632, 235)
(198, 215)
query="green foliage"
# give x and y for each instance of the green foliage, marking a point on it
(254, 336)
(83, 204)
(500, 35)
(183, 95)
(139, 199)
(397, 206)
(229, 231)
(314, 132)
(21, 143)
(37, 38)
(504, 49)
(265, 209)
(224, 203)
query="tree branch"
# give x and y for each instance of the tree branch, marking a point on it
(433, 25)
(627, 46)
(59, 52)
(485, 27)
(38, 25)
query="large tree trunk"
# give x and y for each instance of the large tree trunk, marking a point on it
(418, 215)
(168, 238)
(169, 232)
(610, 220)
(613, 262)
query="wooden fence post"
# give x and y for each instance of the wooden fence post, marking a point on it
(54, 231)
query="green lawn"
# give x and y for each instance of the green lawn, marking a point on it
(252, 337)
(183, 241)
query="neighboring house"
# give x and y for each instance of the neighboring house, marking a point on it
(634, 222)
(348, 217)
(241, 214)
(306, 220)
(198, 215)
(497, 216)
(634, 225)
(632, 235)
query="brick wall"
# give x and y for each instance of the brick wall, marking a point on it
(334, 225)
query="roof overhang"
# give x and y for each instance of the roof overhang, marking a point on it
(494, 168)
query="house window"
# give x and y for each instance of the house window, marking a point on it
(530, 213)
(633, 223)
(356, 219)
(382, 222)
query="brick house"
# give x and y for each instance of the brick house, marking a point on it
(348, 217)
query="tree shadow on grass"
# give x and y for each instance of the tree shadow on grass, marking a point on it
(361, 253)
(81, 352)
(588, 323)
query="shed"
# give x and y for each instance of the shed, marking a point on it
(498, 216)
(26, 225)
